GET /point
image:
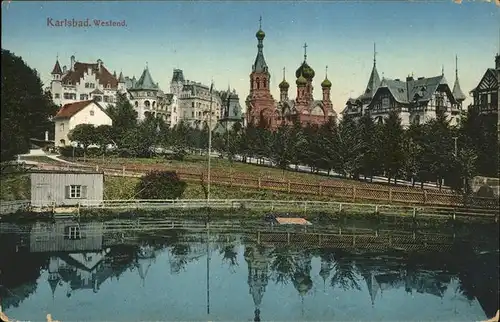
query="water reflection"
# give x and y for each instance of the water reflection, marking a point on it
(124, 271)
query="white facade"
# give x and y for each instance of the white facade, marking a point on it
(195, 101)
(84, 81)
(69, 117)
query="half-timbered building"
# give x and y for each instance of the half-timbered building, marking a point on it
(485, 94)
(416, 100)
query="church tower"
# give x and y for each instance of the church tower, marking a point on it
(284, 86)
(260, 97)
(326, 86)
(258, 274)
(308, 73)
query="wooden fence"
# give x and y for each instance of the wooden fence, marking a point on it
(330, 189)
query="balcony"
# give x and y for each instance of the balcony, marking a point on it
(486, 108)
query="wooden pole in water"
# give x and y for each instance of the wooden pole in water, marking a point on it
(209, 142)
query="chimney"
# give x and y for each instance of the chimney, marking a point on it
(72, 63)
(99, 65)
(409, 78)
(64, 69)
(497, 61)
(46, 136)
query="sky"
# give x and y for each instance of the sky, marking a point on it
(216, 40)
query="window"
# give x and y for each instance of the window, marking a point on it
(72, 232)
(192, 114)
(75, 192)
(385, 102)
(192, 104)
(489, 98)
(92, 113)
(61, 127)
(98, 98)
(87, 85)
(84, 97)
(106, 98)
(57, 95)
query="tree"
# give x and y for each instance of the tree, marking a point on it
(104, 137)
(124, 118)
(283, 146)
(349, 148)
(391, 146)
(26, 108)
(84, 135)
(438, 149)
(368, 145)
(160, 185)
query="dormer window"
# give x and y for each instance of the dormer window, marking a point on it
(109, 86)
(91, 112)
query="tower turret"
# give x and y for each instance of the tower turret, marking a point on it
(284, 86)
(457, 91)
(260, 97)
(56, 71)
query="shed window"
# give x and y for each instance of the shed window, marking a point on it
(72, 232)
(76, 192)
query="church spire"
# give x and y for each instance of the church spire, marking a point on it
(457, 91)
(260, 65)
(305, 52)
(374, 55)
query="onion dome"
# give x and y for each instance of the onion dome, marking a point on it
(306, 71)
(326, 83)
(284, 85)
(260, 34)
(301, 81)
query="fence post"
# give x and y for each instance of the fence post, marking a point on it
(288, 186)
(390, 195)
(319, 189)
(123, 171)
(353, 194)
(259, 183)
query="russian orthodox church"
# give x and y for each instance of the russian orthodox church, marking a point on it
(416, 100)
(264, 110)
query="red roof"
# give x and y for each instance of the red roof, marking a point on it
(69, 110)
(57, 69)
(103, 76)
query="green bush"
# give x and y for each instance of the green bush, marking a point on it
(160, 185)
(67, 151)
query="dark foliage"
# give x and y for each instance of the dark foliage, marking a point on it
(160, 185)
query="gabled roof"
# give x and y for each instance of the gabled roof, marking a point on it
(145, 82)
(71, 109)
(488, 81)
(414, 90)
(96, 91)
(57, 69)
(103, 76)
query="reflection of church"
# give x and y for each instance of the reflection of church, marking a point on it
(258, 260)
(264, 110)
(302, 276)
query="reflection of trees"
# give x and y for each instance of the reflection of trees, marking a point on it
(344, 275)
(282, 265)
(179, 258)
(19, 271)
(227, 247)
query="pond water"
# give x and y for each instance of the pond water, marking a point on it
(177, 271)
